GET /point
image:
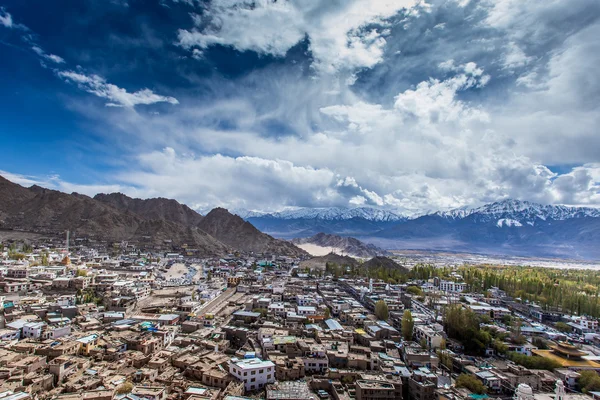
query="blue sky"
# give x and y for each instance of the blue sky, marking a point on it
(405, 105)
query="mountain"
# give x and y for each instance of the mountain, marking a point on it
(305, 222)
(521, 212)
(345, 245)
(157, 208)
(115, 217)
(385, 262)
(242, 235)
(508, 227)
(51, 212)
(321, 261)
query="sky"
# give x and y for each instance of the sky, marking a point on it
(403, 105)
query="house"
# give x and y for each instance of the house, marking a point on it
(254, 372)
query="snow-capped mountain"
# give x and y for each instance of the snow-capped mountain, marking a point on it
(339, 214)
(304, 222)
(518, 213)
(505, 227)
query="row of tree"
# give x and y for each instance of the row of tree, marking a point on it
(567, 290)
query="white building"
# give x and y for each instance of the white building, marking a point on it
(452, 287)
(254, 372)
(307, 310)
(33, 329)
(432, 337)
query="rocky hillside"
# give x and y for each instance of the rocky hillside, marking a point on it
(46, 211)
(385, 262)
(345, 245)
(157, 208)
(116, 217)
(320, 262)
(242, 235)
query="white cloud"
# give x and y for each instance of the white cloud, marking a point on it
(56, 183)
(51, 57)
(117, 96)
(418, 131)
(5, 18)
(338, 34)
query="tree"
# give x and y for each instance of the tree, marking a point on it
(81, 272)
(125, 388)
(414, 290)
(423, 343)
(589, 381)
(470, 382)
(533, 362)
(327, 313)
(563, 327)
(540, 343)
(407, 325)
(463, 324)
(381, 310)
(263, 311)
(499, 346)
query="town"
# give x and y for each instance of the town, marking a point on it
(117, 323)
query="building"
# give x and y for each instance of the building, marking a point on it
(452, 287)
(254, 372)
(377, 390)
(432, 338)
(33, 330)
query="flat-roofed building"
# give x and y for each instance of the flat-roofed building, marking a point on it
(377, 390)
(254, 372)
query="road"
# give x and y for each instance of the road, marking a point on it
(217, 303)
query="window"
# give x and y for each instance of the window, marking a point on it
(268, 376)
(253, 373)
(260, 371)
(253, 380)
(251, 387)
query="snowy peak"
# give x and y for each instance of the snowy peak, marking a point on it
(516, 213)
(328, 214)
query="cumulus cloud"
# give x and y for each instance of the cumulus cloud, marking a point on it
(415, 107)
(118, 97)
(342, 36)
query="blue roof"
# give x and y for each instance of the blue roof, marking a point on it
(247, 314)
(334, 325)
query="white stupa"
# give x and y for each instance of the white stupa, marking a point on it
(559, 391)
(524, 392)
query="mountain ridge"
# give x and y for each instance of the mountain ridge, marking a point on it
(115, 218)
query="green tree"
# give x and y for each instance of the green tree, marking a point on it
(381, 310)
(327, 313)
(499, 347)
(408, 325)
(81, 272)
(470, 382)
(414, 290)
(262, 311)
(540, 343)
(463, 324)
(533, 362)
(589, 381)
(563, 327)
